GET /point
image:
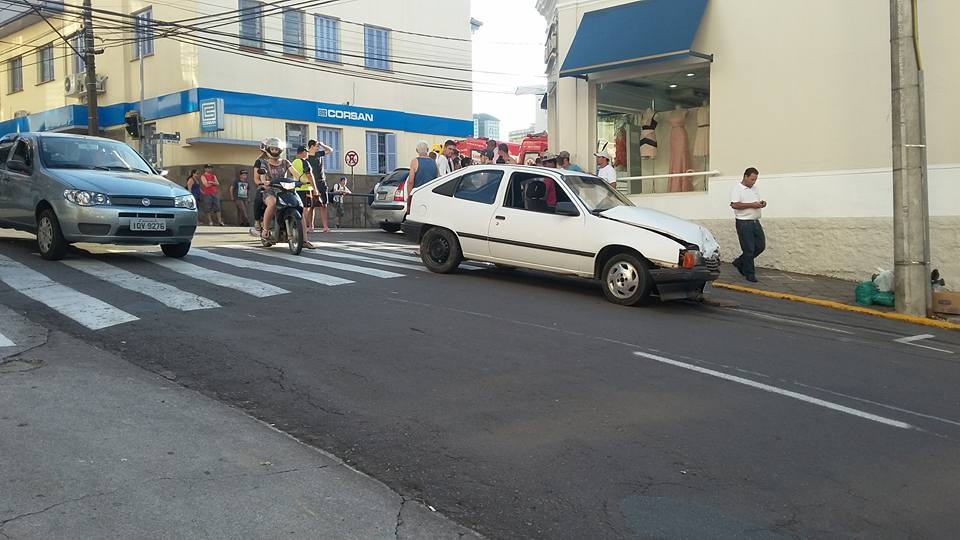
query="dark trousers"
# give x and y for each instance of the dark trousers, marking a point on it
(752, 243)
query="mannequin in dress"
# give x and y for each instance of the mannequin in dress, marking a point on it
(648, 134)
(679, 152)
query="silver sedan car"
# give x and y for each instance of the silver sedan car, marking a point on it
(73, 188)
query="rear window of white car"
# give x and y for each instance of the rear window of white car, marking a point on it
(479, 186)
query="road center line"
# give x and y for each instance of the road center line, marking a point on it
(780, 391)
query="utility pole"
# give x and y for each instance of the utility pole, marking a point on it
(89, 59)
(911, 228)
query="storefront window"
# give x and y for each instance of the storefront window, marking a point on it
(657, 125)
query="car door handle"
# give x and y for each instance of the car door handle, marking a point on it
(501, 218)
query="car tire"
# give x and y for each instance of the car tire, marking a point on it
(175, 251)
(390, 227)
(440, 250)
(53, 247)
(626, 280)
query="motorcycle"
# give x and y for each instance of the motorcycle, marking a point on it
(285, 225)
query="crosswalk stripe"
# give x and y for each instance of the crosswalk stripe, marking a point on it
(315, 277)
(375, 272)
(249, 286)
(167, 295)
(372, 260)
(85, 309)
(408, 256)
(6, 342)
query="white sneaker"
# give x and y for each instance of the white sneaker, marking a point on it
(254, 232)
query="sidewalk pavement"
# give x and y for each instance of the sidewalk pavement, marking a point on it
(94, 447)
(821, 290)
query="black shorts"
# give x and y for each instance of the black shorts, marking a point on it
(307, 199)
(322, 198)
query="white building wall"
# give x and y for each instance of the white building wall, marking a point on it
(801, 90)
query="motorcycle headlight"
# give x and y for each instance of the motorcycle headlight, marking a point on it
(86, 198)
(185, 201)
(288, 186)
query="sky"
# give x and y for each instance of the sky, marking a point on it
(507, 53)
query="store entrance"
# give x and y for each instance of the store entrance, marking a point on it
(657, 125)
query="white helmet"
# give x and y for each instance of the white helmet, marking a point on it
(273, 146)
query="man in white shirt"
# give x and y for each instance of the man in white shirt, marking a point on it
(444, 163)
(746, 203)
(605, 170)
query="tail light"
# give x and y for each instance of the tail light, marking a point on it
(400, 195)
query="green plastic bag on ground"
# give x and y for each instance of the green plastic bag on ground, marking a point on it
(867, 294)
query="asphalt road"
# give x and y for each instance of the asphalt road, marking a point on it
(524, 405)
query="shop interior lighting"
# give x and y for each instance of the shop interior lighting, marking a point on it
(673, 86)
(690, 74)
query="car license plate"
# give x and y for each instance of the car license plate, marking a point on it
(146, 224)
(381, 196)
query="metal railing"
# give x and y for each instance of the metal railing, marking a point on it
(625, 184)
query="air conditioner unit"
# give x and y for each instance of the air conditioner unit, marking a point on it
(73, 85)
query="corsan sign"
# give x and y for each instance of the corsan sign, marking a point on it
(326, 112)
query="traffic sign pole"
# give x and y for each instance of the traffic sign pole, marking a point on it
(351, 158)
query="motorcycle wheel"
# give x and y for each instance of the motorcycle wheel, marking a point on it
(294, 234)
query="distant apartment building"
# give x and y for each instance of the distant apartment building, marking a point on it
(374, 81)
(485, 125)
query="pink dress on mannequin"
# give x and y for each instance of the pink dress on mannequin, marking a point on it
(679, 152)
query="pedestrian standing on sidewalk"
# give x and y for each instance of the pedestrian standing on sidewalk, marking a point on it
(193, 186)
(340, 190)
(317, 152)
(308, 185)
(210, 188)
(746, 203)
(240, 193)
(422, 169)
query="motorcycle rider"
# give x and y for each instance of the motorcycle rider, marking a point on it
(275, 167)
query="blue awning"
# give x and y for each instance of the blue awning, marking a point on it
(633, 33)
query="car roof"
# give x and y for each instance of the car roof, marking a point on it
(52, 134)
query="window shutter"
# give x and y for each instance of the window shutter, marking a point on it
(391, 151)
(373, 154)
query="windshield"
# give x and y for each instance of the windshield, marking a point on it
(595, 193)
(99, 154)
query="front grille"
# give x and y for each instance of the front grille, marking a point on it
(93, 229)
(713, 264)
(128, 200)
(145, 215)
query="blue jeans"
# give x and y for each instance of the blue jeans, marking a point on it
(752, 243)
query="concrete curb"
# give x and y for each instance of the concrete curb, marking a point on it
(936, 323)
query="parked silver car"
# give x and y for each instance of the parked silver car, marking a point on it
(73, 188)
(383, 209)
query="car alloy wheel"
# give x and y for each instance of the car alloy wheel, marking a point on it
(50, 239)
(45, 234)
(626, 280)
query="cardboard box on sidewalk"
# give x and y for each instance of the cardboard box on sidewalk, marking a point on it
(946, 302)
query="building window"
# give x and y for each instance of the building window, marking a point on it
(150, 142)
(328, 39)
(143, 33)
(251, 24)
(45, 63)
(76, 60)
(381, 152)
(293, 32)
(331, 137)
(376, 48)
(655, 125)
(296, 136)
(15, 69)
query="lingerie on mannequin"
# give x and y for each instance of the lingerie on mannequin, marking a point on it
(648, 134)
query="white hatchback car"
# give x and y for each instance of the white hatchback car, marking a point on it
(564, 222)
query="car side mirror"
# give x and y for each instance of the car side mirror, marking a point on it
(19, 166)
(566, 209)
